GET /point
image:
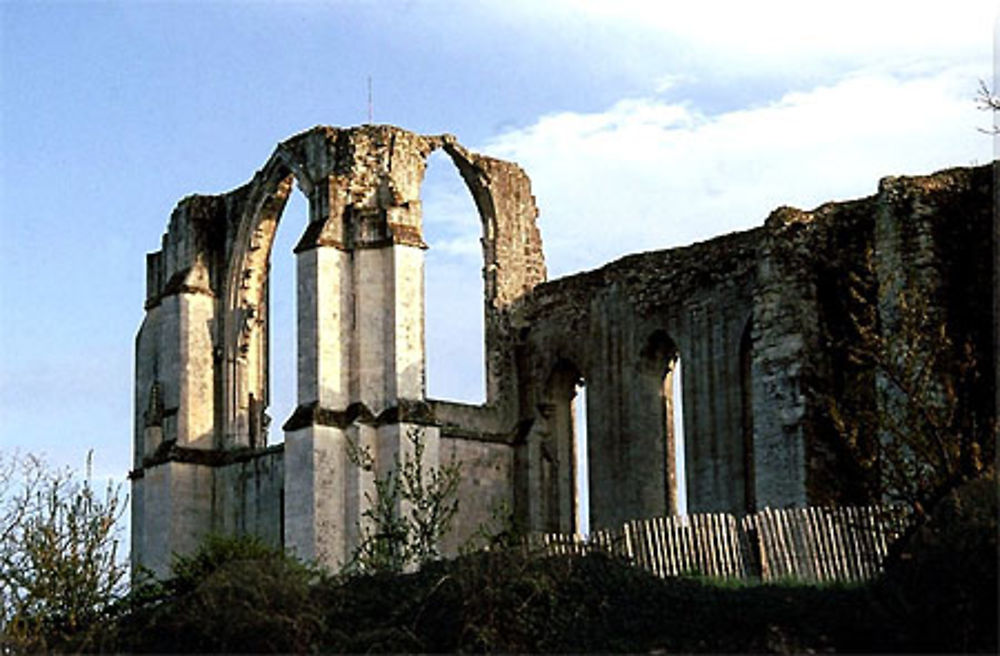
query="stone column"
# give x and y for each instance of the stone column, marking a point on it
(389, 328)
(316, 474)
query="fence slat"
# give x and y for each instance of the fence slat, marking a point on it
(675, 546)
(822, 549)
(816, 544)
(658, 547)
(704, 558)
(721, 527)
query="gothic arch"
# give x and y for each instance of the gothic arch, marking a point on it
(557, 448)
(245, 366)
(476, 181)
(659, 361)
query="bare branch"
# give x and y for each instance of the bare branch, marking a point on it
(988, 101)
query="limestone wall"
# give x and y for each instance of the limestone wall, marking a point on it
(762, 322)
(248, 497)
(484, 492)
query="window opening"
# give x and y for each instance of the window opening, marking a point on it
(282, 306)
(453, 286)
(582, 473)
(662, 430)
(676, 394)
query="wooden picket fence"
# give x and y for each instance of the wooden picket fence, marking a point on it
(816, 544)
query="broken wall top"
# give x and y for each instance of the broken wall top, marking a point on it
(363, 185)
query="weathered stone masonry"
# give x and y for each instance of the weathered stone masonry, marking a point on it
(753, 317)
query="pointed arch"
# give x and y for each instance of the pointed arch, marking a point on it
(244, 351)
(659, 364)
(454, 294)
(558, 449)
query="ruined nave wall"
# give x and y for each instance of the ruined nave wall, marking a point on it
(621, 328)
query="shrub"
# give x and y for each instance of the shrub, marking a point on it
(60, 575)
(233, 595)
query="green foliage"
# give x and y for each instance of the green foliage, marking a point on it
(218, 551)
(410, 512)
(60, 576)
(514, 601)
(235, 594)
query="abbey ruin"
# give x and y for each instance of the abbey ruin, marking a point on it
(759, 319)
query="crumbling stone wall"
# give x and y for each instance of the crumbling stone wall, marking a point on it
(762, 322)
(621, 329)
(757, 323)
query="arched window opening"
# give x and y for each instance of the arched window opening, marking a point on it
(660, 374)
(676, 394)
(560, 451)
(580, 460)
(453, 286)
(746, 419)
(282, 315)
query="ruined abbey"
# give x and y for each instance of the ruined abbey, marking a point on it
(759, 319)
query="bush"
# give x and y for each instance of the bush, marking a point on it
(233, 595)
(60, 575)
(940, 593)
(239, 595)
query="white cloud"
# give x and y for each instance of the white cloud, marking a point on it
(647, 173)
(731, 36)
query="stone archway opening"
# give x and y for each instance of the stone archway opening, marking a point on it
(661, 383)
(581, 460)
(561, 450)
(282, 315)
(243, 385)
(455, 366)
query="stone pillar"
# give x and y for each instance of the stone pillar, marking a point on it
(324, 327)
(389, 328)
(409, 355)
(533, 496)
(173, 502)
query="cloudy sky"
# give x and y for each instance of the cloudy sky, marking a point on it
(643, 125)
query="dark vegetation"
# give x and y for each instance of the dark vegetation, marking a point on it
(62, 592)
(938, 595)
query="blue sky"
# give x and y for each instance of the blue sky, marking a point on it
(642, 124)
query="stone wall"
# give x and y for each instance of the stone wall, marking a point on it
(620, 329)
(483, 492)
